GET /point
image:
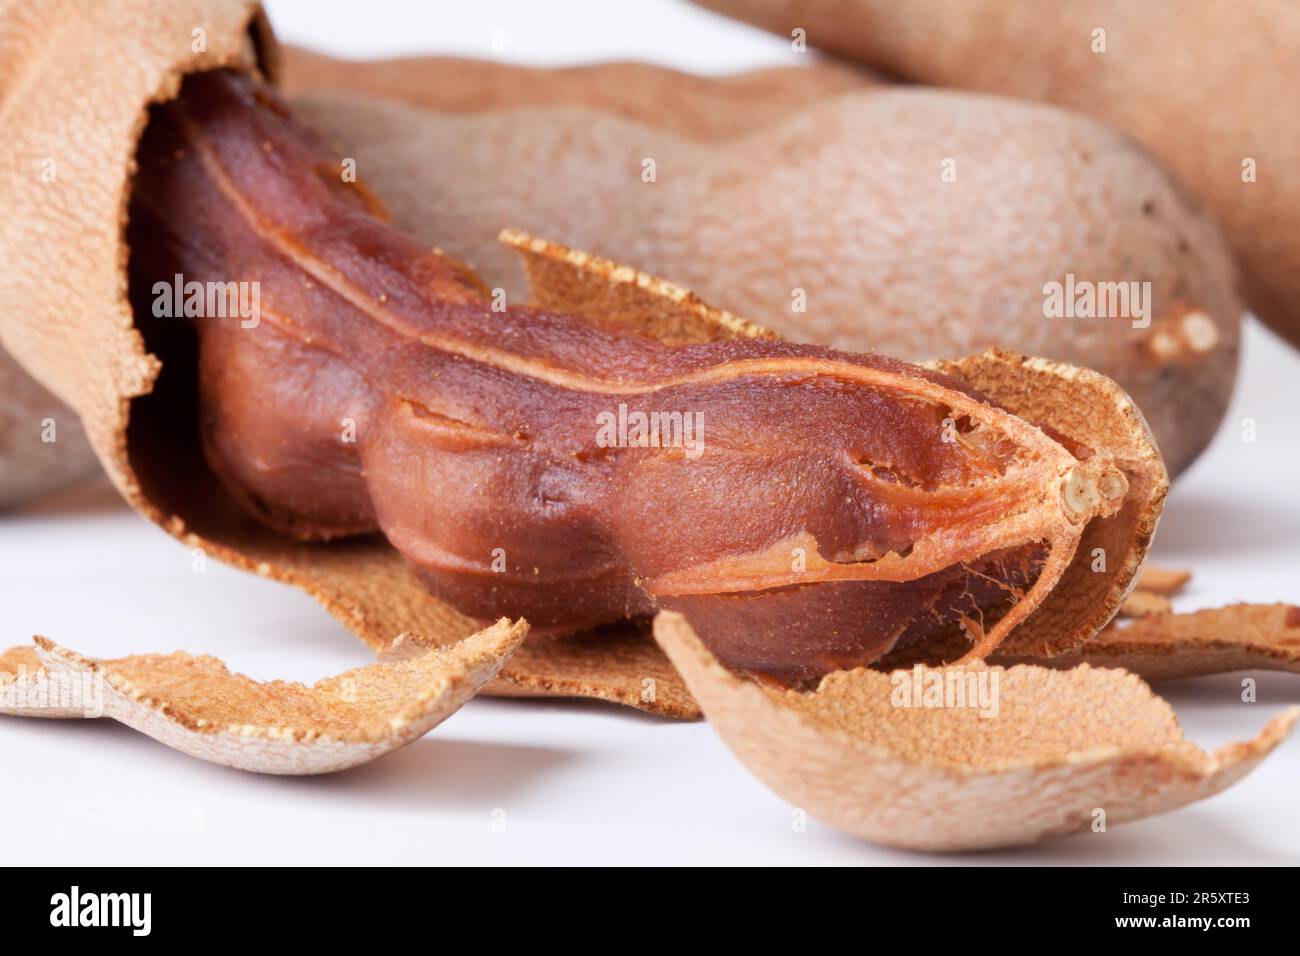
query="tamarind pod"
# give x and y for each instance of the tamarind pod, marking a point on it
(1166, 72)
(891, 499)
(772, 225)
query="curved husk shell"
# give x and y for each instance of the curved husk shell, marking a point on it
(195, 705)
(1064, 745)
(76, 117)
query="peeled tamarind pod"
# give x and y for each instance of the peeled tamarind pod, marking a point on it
(699, 107)
(807, 509)
(1085, 410)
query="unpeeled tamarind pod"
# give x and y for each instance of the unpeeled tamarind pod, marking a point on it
(837, 224)
(1169, 73)
(808, 509)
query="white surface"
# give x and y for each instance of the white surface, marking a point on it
(579, 782)
(669, 32)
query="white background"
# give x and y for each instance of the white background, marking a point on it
(579, 781)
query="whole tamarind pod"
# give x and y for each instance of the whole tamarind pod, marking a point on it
(808, 509)
(1166, 72)
(834, 225)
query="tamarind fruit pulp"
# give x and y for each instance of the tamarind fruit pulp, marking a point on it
(825, 509)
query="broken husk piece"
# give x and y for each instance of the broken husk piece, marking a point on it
(195, 705)
(1145, 604)
(1239, 637)
(1160, 580)
(1153, 591)
(1029, 753)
